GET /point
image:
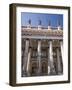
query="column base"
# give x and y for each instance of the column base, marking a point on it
(52, 71)
(60, 73)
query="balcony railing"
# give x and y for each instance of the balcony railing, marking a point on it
(42, 27)
(42, 32)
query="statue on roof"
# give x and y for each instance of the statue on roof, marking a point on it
(40, 22)
(49, 23)
(29, 21)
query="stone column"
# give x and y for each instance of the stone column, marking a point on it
(52, 69)
(59, 62)
(28, 62)
(39, 57)
(48, 63)
(61, 46)
(25, 57)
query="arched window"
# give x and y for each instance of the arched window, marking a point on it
(34, 69)
(44, 68)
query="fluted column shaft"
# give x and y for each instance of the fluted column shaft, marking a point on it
(61, 46)
(39, 57)
(52, 69)
(28, 62)
(59, 62)
(25, 57)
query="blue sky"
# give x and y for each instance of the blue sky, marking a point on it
(45, 18)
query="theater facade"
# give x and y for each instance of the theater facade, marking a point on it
(42, 50)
